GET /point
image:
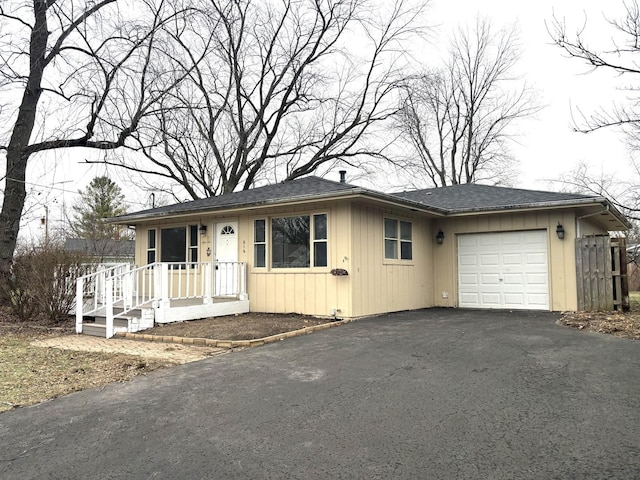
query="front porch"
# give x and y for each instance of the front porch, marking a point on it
(125, 298)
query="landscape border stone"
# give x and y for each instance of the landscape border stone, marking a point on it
(256, 342)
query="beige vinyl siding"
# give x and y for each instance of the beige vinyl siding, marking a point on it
(561, 262)
(310, 291)
(381, 285)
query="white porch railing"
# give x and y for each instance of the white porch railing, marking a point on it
(157, 284)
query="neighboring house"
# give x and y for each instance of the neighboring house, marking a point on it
(325, 248)
(103, 250)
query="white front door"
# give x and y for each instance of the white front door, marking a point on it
(226, 256)
(503, 270)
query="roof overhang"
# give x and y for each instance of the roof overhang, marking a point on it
(598, 209)
(355, 193)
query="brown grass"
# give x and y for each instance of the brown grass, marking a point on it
(30, 374)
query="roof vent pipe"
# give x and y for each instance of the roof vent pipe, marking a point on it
(343, 176)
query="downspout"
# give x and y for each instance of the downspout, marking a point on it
(578, 233)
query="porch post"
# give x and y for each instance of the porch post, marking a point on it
(109, 307)
(207, 272)
(127, 287)
(161, 290)
(79, 303)
(242, 267)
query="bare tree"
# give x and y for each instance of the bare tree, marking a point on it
(276, 91)
(619, 58)
(74, 74)
(458, 118)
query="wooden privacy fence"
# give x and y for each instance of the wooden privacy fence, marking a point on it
(601, 269)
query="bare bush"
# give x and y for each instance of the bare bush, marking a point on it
(43, 282)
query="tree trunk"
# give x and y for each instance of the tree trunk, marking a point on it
(17, 150)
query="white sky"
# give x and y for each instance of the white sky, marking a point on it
(547, 146)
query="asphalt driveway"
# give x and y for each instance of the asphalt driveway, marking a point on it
(442, 394)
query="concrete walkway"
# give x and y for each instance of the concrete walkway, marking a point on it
(175, 353)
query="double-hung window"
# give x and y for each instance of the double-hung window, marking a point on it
(151, 246)
(398, 243)
(260, 243)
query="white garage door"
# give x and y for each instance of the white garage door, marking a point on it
(503, 270)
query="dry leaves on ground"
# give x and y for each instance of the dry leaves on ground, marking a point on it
(619, 324)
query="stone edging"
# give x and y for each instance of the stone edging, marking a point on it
(207, 342)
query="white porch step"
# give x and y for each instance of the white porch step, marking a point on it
(117, 321)
(94, 329)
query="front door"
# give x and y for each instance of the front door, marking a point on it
(226, 255)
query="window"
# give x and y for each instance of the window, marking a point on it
(174, 247)
(320, 240)
(259, 243)
(390, 238)
(397, 240)
(297, 240)
(151, 246)
(193, 243)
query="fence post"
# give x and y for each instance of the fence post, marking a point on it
(79, 303)
(109, 307)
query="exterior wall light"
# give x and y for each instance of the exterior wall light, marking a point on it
(203, 229)
(560, 231)
(440, 237)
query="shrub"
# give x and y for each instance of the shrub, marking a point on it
(43, 280)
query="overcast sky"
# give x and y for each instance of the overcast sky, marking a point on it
(547, 145)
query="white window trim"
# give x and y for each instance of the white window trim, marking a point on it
(398, 239)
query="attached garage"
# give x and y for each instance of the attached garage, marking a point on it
(505, 270)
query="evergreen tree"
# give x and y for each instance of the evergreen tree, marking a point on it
(102, 199)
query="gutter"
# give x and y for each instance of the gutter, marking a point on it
(578, 233)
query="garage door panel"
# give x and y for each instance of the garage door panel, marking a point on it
(537, 279)
(514, 299)
(469, 280)
(487, 241)
(490, 300)
(509, 270)
(541, 300)
(489, 260)
(513, 279)
(470, 298)
(536, 237)
(538, 258)
(489, 279)
(468, 260)
(512, 259)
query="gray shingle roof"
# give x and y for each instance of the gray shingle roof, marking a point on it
(473, 197)
(307, 187)
(443, 200)
(102, 247)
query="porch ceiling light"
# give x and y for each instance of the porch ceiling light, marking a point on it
(203, 229)
(440, 237)
(560, 231)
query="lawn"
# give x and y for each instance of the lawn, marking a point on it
(30, 375)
